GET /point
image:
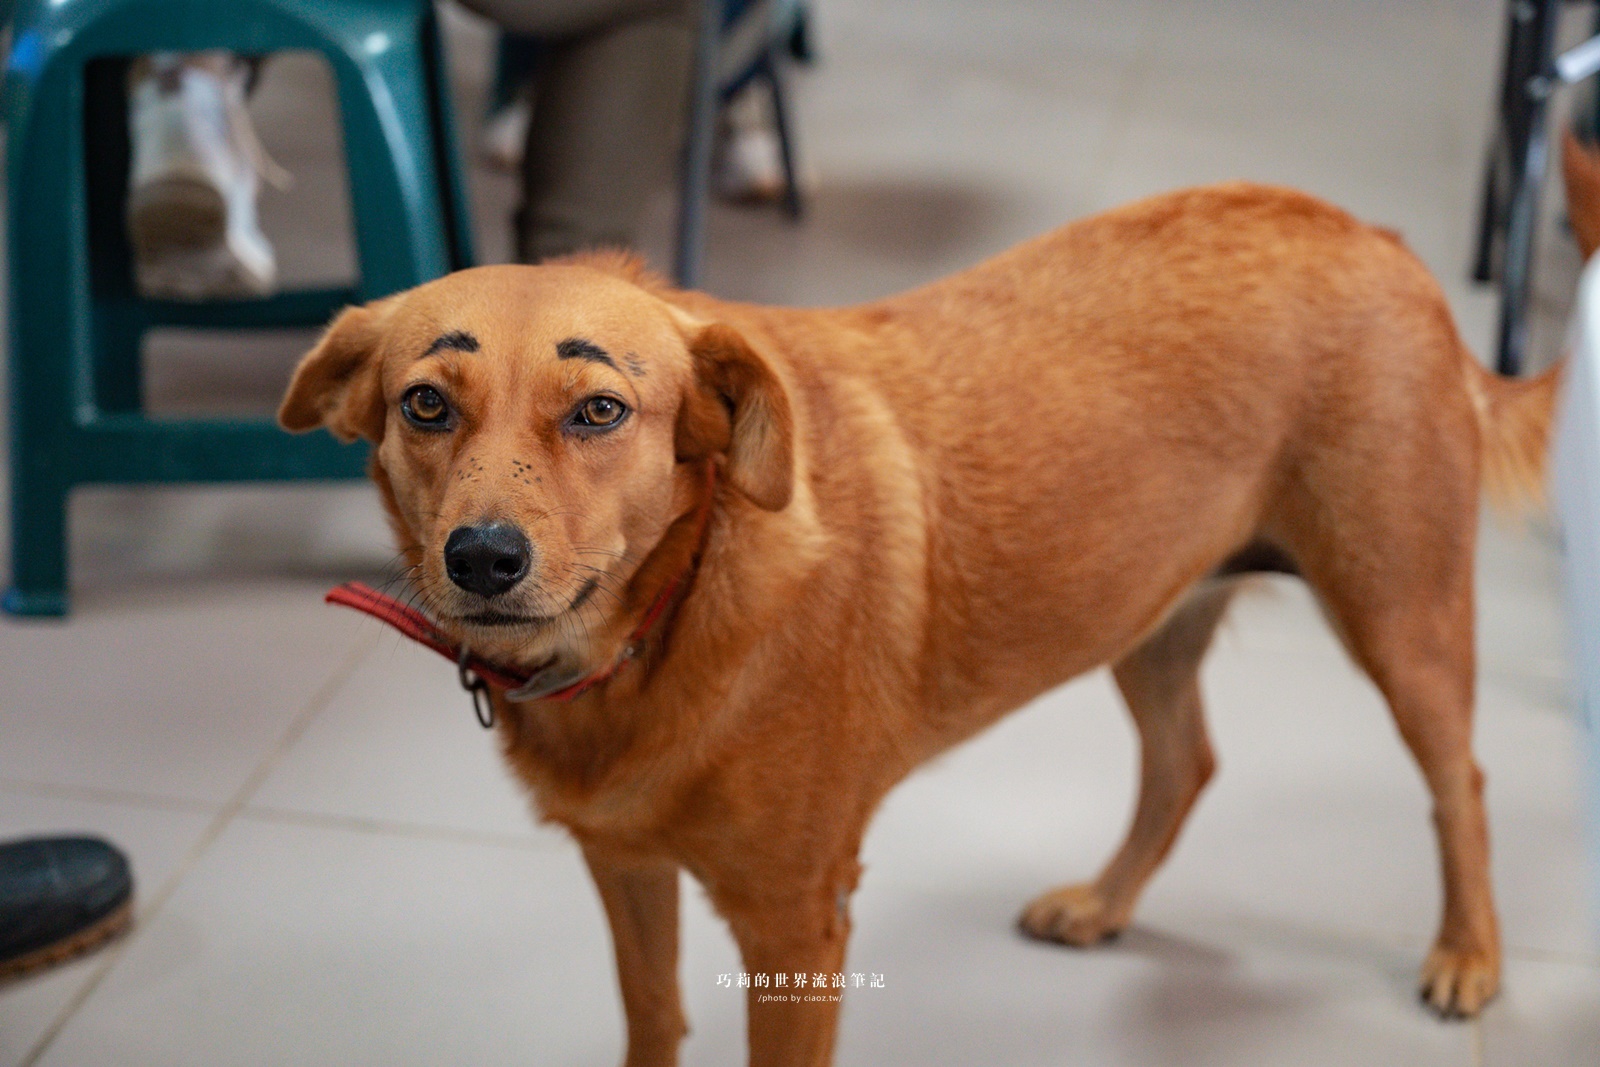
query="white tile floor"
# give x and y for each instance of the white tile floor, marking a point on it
(334, 869)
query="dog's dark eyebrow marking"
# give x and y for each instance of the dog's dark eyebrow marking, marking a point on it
(455, 341)
(578, 348)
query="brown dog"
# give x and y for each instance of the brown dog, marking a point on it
(875, 530)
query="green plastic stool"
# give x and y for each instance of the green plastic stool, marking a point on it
(75, 319)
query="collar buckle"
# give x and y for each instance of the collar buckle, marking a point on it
(474, 684)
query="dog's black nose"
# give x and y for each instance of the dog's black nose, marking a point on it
(487, 559)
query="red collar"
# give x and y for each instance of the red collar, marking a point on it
(478, 674)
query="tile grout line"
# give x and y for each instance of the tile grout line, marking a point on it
(297, 727)
(102, 795)
(269, 813)
(391, 828)
(1529, 954)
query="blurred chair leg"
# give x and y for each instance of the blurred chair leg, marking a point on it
(1492, 212)
(1515, 171)
(1489, 215)
(1524, 109)
(1516, 279)
(695, 183)
(793, 206)
(404, 214)
(453, 197)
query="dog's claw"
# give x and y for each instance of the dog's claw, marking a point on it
(1073, 915)
(1457, 983)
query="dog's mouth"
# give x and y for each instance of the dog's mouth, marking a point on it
(493, 618)
(499, 618)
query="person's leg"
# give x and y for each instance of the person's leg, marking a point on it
(608, 110)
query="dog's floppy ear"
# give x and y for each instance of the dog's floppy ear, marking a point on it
(741, 408)
(337, 383)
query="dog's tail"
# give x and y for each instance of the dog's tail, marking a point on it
(1514, 420)
(1580, 170)
(1515, 414)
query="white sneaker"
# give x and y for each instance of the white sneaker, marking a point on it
(747, 164)
(192, 196)
(505, 135)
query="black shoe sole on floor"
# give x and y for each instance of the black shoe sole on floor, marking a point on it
(81, 943)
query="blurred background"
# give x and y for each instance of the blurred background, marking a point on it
(334, 868)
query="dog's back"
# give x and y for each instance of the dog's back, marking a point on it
(1098, 418)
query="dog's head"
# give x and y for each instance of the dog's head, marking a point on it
(537, 432)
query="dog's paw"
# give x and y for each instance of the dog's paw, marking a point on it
(1457, 983)
(1073, 914)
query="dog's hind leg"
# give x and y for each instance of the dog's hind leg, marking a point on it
(1411, 631)
(1160, 682)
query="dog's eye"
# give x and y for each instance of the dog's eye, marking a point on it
(423, 406)
(600, 412)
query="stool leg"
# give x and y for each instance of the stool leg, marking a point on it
(49, 354)
(44, 344)
(402, 227)
(118, 324)
(38, 548)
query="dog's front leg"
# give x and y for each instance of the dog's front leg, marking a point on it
(802, 935)
(641, 901)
